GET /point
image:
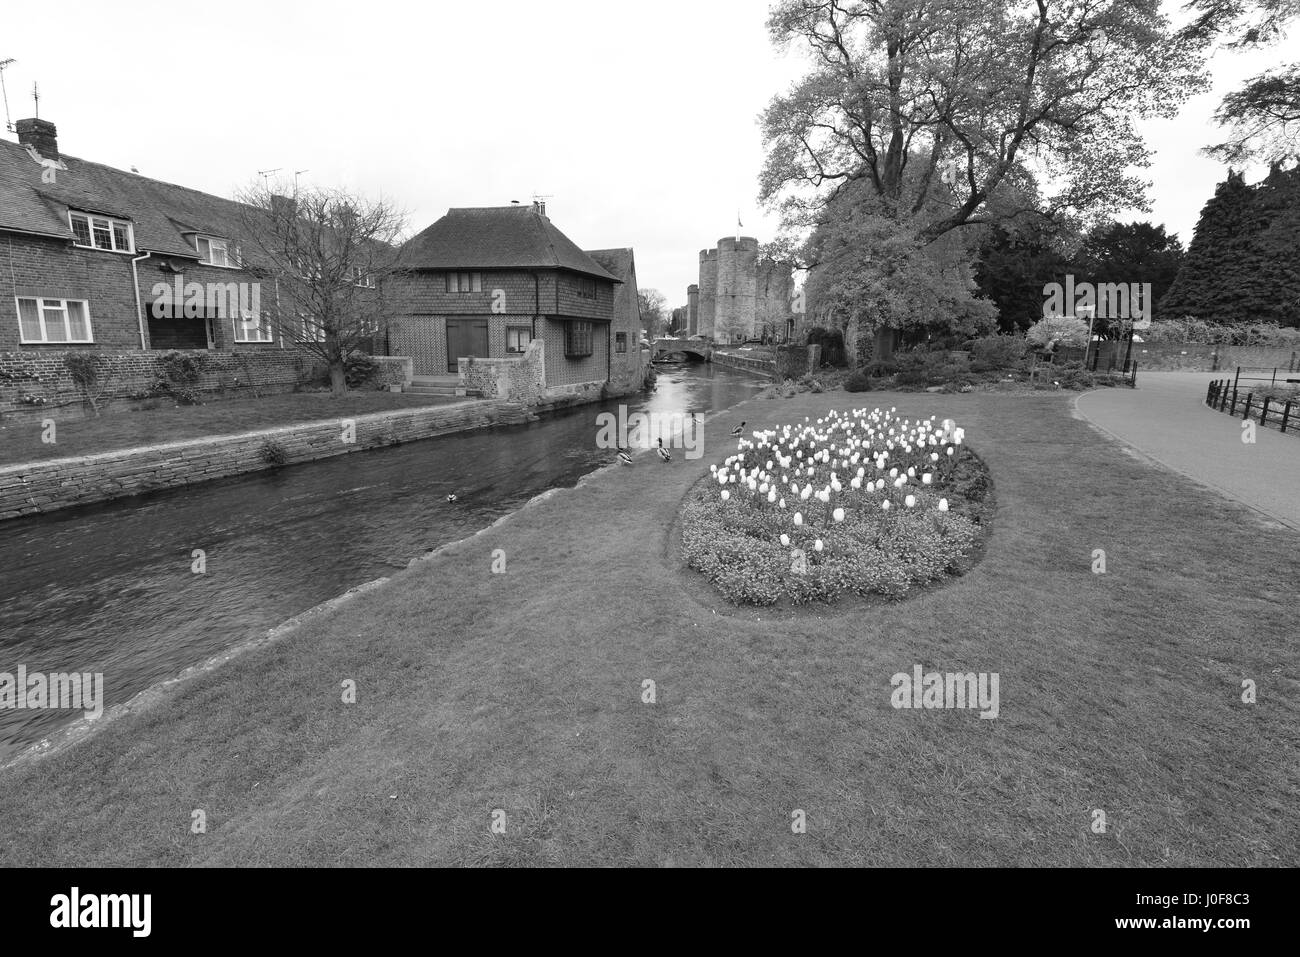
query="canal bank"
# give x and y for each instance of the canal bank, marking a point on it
(110, 586)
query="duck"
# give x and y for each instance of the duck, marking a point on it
(736, 432)
(624, 456)
(663, 452)
(452, 497)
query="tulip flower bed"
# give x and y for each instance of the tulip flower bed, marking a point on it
(862, 503)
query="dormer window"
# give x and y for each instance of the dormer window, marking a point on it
(102, 232)
(217, 252)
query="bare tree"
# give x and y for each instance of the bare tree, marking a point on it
(651, 303)
(326, 255)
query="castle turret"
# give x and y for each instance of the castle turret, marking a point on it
(708, 291)
(737, 258)
(692, 309)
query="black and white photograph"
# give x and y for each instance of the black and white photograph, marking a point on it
(727, 434)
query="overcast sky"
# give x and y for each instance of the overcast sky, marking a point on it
(639, 121)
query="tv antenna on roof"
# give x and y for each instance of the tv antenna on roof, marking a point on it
(296, 174)
(4, 63)
(266, 176)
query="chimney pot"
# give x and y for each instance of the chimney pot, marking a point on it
(39, 134)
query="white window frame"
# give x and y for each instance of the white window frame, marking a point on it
(40, 315)
(229, 251)
(362, 278)
(242, 326)
(91, 219)
(524, 329)
(474, 280)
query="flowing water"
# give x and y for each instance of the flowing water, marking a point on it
(109, 588)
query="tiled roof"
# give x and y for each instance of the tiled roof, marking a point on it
(621, 264)
(500, 237)
(161, 213)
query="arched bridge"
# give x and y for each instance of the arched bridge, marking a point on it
(695, 347)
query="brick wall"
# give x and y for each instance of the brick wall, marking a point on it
(48, 486)
(55, 269)
(232, 374)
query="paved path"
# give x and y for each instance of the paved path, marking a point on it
(1166, 419)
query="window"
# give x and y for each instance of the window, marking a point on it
(587, 288)
(620, 342)
(251, 328)
(362, 278)
(54, 320)
(464, 282)
(577, 340)
(100, 232)
(517, 339)
(216, 252)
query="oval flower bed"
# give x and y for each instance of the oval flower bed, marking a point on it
(864, 503)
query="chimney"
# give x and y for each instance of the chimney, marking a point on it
(282, 207)
(40, 135)
(540, 206)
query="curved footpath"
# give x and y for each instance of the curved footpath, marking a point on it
(1167, 420)
(526, 691)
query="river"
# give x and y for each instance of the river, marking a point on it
(109, 587)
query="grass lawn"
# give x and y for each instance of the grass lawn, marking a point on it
(123, 428)
(523, 692)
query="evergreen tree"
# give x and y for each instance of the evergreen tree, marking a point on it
(1243, 266)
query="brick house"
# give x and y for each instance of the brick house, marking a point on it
(83, 246)
(490, 283)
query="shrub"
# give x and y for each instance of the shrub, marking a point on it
(881, 369)
(857, 382)
(274, 453)
(359, 369)
(997, 352)
(1068, 332)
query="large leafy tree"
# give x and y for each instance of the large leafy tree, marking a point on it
(1013, 268)
(921, 118)
(1130, 253)
(959, 112)
(1262, 118)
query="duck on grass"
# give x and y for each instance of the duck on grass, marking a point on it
(864, 503)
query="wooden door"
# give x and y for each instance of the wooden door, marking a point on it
(466, 337)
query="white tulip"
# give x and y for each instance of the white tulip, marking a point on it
(785, 540)
(910, 501)
(838, 515)
(725, 495)
(817, 545)
(798, 518)
(943, 505)
(885, 505)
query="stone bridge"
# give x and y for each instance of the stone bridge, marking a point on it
(695, 347)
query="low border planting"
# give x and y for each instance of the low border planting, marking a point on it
(865, 504)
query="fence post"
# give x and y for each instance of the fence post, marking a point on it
(1250, 398)
(1236, 379)
(1286, 414)
(1223, 401)
(1274, 382)
(1263, 413)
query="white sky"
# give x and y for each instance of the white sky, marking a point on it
(638, 120)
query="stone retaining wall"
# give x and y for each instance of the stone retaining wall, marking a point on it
(61, 483)
(765, 367)
(224, 374)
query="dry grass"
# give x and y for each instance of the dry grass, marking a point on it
(523, 691)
